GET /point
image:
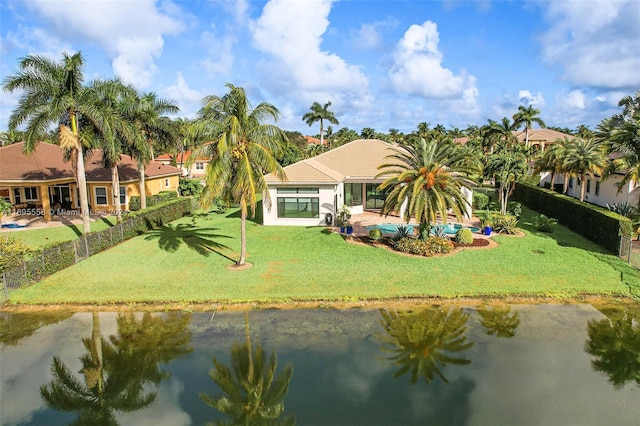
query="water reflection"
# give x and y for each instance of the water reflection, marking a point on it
(252, 394)
(614, 343)
(423, 342)
(500, 321)
(116, 373)
(15, 327)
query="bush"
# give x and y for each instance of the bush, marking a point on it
(480, 201)
(13, 252)
(190, 187)
(436, 245)
(402, 232)
(593, 222)
(433, 245)
(439, 231)
(152, 200)
(515, 209)
(505, 223)
(464, 236)
(375, 234)
(544, 223)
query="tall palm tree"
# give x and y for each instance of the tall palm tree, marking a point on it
(424, 342)
(552, 160)
(501, 133)
(506, 166)
(368, 133)
(53, 92)
(428, 177)
(320, 113)
(252, 393)
(585, 157)
(526, 116)
(243, 151)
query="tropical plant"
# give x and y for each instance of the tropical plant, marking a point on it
(375, 234)
(54, 93)
(526, 116)
(368, 133)
(13, 252)
(507, 167)
(190, 187)
(505, 223)
(402, 231)
(464, 236)
(439, 231)
(501, 133)
(429, 178)
(320, 113)
(586, 156)
(544, 223)
(515, 208)
(252, 393)
(5, 207)
(625, 209)
(499, 321)
(424, 342)
(244, 149)
(480, 200)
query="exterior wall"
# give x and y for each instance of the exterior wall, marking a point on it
(608, 191)
(153, 186)
(326, 195)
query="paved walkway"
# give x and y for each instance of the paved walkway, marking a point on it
(32, 222)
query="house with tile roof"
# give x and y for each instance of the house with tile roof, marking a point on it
(191, 167)
(318, 187)
(43, 181)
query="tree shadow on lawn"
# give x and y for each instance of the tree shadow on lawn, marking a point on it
(563, 237)
(201, 240)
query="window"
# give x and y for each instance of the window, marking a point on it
(375, 199)
(298, 207)
(31, 193)
(199, 166)
(298, 191)
(571, 183)
(17, 197)
(167, 183)
(4, 193)
(598, 188)
(101, 195)
(123, 195)
(588, 186)
(353, 194)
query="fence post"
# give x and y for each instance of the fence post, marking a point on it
(75, 252)
(629, 246)
(86, 244)
(4, 284)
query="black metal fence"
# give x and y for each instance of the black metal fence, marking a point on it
(630, 251)
(66, 254)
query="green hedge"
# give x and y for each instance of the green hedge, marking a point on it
(593, 222)
(152, 200)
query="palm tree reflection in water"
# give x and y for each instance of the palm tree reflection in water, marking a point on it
(424, 342)
(252, 393)
(499, 320)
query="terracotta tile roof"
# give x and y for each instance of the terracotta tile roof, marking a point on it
(312, 140)
(355, 160)
(46, 163)
(187, 154)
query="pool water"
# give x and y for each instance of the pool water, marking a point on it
(13, 225)
(453, 229)
(389, 228)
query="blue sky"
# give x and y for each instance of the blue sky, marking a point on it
(382, 64)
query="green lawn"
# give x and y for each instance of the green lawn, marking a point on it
(187, 261)
(40, 237)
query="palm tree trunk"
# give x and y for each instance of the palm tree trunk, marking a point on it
(115, 188)
(583, 186)
(565, 183)
(526, 137)
(96, 340)
(553, 178)
(321, 133)
(82, 187)
(243, 233)
(143, 190)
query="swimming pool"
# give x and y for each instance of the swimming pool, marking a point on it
(452, 229)
(13, 225)
(389, 228)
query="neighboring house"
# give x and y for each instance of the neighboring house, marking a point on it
(318, 187)
(540, 138)
(197, 168)
(313, 141)
(42, 181)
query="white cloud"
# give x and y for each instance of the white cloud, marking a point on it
(525, 97)
(368, 35)
(188, 99)
(596, 43)
(573, 99)
(131, 34)
(418, 69)
(291, 32)
(220, 59)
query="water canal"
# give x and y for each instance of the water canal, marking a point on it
(509, 365)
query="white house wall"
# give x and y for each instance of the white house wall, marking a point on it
(608, 191)
(325, 194)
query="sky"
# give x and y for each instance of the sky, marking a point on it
(381, 64)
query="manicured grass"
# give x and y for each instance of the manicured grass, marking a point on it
(39, 237)
(187, 261)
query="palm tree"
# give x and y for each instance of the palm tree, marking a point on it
(252, 393)
(429, 178)
(368, 133)
(527, 116)
(552, 160)
(423, 129)
(507, 167)
(424, 342)
(320, 113)
(501, 133)
(586, 156)
(243, 151)
(54, 93)
(631, 105)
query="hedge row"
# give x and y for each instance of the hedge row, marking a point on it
(593, 222)
(152, 200)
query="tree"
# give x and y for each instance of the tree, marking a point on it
(427, 177)
(424, 342)
(252, 392)
(552, 160)
(507, 167)
(243, 151)
(586, 156)
(368, 133)
(53, 93)
(500, 133)
(320, 113)
(526, 116)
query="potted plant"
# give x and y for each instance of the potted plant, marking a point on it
(342, 219)
(486, 225)
(349, 228)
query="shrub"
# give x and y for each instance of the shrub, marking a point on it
(464, 236)
(190, 187)
(375, 234)
(505, 223)
(439, 231)
(433, 245)
(515, 209)
(544, 223)
(152, 200)
(402, 232)
(13, 252)
(480, 201)
(436, 245)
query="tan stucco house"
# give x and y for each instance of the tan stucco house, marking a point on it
(43, 182)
